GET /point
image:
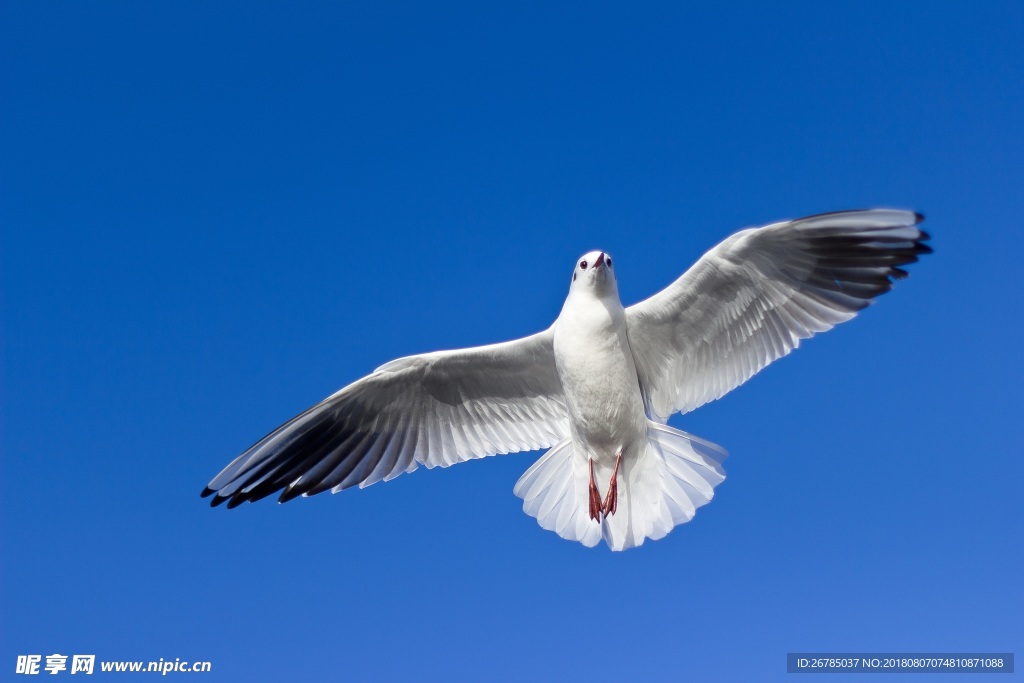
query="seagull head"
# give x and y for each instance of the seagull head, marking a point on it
(593, 272)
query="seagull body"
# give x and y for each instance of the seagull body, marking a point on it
(597, 387)
(595, 366)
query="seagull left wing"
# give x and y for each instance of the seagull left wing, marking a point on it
(752, 298)
(434, 409)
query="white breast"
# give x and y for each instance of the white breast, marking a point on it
(599, 379)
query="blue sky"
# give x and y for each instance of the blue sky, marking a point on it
(215, 214)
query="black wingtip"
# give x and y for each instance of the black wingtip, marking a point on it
(918, 217)
(235, 501)
(290, 493)
(217, 500)
(207, 492)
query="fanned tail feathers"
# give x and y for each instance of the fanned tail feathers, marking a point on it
(674, 474)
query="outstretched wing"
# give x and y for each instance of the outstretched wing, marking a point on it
(435, 409)
(752, 298)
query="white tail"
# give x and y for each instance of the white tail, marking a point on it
(674, 475)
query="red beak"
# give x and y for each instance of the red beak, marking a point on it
(599, 261)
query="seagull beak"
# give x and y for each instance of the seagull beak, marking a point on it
(600, 260)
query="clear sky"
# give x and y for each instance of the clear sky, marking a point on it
(215, 214)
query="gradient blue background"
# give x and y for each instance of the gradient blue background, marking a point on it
(216, 214)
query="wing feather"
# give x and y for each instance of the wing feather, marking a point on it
(434, 409)
(755, 296)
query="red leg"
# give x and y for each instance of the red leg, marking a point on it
(611, 501)
(595, 496)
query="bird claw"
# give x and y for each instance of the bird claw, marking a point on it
(595, 497)
(611, 500)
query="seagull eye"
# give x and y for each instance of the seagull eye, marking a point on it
(583, 265)
(609, 262)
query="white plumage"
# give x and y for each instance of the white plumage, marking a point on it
(598, 385)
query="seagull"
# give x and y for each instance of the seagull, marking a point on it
(598, 386)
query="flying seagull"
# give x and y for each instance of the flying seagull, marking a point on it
(597, 387)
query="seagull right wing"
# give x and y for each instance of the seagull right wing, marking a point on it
(752, 298)
(434, 409)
